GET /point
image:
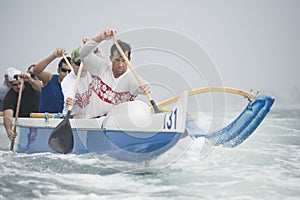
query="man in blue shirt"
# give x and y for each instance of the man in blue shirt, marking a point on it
(52, 99)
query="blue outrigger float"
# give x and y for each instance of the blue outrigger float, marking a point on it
(241, 128)
(131, 132)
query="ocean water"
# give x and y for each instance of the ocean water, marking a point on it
(265, 166)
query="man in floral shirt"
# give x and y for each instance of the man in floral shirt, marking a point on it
(102, 85)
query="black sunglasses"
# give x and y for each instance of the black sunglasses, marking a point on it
(64, 70)
(77, 63)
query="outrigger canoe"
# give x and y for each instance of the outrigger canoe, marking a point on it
(131, 132)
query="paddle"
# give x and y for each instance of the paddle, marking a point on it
(61, 139)
(12, 144)
(67, 61)
(156, 109)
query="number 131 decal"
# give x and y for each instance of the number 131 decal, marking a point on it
(170, 120)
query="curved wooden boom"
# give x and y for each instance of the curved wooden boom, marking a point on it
(247, 95)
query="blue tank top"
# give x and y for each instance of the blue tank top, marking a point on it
(52, 98)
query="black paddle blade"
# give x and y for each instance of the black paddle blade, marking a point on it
(12, 144)
(156, 109)
(61, 139)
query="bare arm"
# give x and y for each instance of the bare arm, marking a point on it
(38, 70)
(36, 84)
(8, 117)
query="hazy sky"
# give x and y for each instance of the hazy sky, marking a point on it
(235, 43)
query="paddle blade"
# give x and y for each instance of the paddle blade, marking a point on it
(12, 144)
(61, 139)
(156, 109)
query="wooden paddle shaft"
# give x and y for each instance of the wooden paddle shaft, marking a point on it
(17, 113)
(76, 84)
(67, 61)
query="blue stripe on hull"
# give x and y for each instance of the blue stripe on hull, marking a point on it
(117, 144)
(125, 146)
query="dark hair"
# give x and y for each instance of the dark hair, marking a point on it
(124, 46)
(62, 61)
(31, 66)
(31, 73)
